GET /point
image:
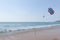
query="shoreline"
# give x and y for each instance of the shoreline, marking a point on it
(32, 29)
(45, 27)
(47, 33)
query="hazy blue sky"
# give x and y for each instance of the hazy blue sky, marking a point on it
(28, 10)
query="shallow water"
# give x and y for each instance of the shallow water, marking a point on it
(11, 26)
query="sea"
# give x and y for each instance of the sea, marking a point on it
(13, 26)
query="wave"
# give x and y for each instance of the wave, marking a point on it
(8, 28)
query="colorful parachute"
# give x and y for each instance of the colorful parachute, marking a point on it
(51, 11)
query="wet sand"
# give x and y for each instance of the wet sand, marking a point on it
(48, 34)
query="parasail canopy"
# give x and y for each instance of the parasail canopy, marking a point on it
(51, 11)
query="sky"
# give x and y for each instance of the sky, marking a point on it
(29, 10)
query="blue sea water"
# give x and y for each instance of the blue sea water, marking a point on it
(6, 26)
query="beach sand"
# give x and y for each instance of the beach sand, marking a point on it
(48, 34)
